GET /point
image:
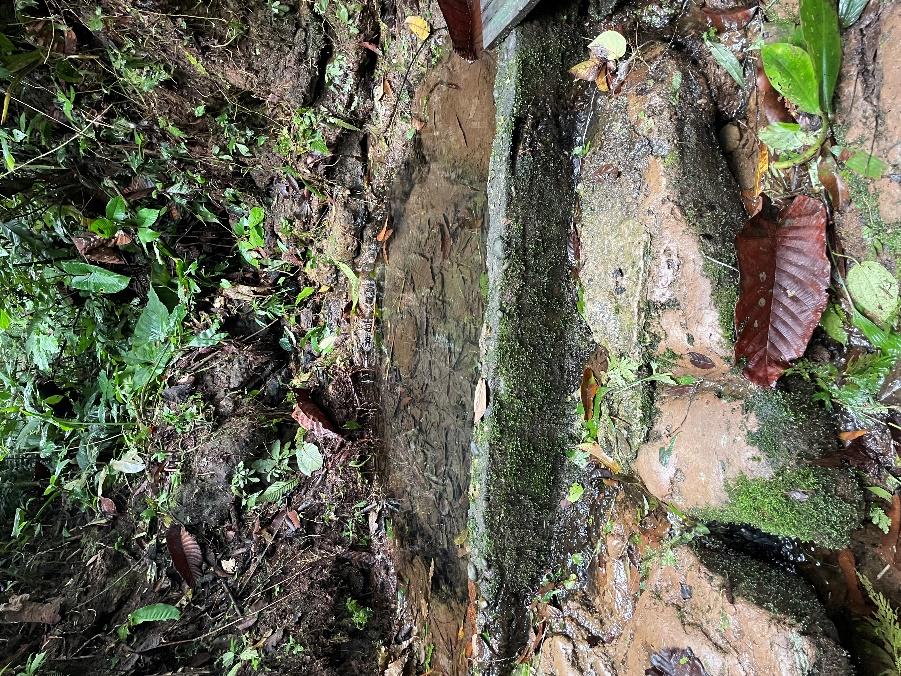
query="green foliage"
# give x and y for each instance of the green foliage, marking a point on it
(874, 291)
(726, 59)
(359, 614)
(849, 11)
(819, 25)
(785, 136)
(791, 72)
(157, 612)
(884, 630)
(796, 502)
(866, 165)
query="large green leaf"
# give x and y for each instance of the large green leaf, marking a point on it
(157, 612)
(874, 291)
(87, 277)
(819, 23)
(790, 71)
(153, 326)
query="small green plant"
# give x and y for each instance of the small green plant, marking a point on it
(236, 657)
(359, 614)
(157, 612)
(884, 630)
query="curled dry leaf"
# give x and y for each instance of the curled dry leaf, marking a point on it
(587, 391)
(596, 452)
(480, 400)
(185, 553)
(768, 99)
(586, 70)
(848, 566)
(107, 506)
(309, 416)
(729, 19)
(851, 435)
(827, 172)
(784, 274)
(98, 249)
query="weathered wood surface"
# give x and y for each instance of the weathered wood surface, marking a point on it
(499, 16)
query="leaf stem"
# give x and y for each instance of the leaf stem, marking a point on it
(811, 152)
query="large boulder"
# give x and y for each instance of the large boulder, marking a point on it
(734, 614)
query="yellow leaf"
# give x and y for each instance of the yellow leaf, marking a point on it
(418, 26)
(596, 452)
(587, 70)
(763, 163)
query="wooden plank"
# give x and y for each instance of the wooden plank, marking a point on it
(499, 16)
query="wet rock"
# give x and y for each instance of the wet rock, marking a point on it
(532, 344)
(746, 462)
(742, 617)
(698, 445)
(657, 234)
(868, 113)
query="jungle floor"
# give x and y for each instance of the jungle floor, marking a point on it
(244, 293)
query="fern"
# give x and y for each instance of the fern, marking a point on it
(885, 628)
(278, 490)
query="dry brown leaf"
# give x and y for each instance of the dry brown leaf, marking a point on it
(851, 435)
(587, 391)
(309, 416)
(848, 566)
(480, 400)
(185, 553)
(836, 188)
(107, 506)
(587, 70)
(595, 451)
(20, 610)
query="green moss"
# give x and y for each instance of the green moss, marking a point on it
(790, 427)
(865, 197)
(805, 503)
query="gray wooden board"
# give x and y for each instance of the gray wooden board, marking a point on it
(499, 16)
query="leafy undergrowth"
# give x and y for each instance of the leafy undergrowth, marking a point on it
(182, 195)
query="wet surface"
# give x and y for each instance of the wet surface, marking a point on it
(432, 318)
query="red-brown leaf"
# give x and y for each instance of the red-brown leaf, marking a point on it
(185, 553)
(839, 196)
(784, 276)
(768, 99)
(309, 416)
(731, 18)
(856, 601)
(588, 390)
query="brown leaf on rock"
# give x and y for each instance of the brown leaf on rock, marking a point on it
(851, 435)
(20, 610)
(587, 70)
(587, 391)
(309, 416)
(768, 100)
(731, 18)
(185, 553)
(827, 172)
(856, 601)
(784, 274)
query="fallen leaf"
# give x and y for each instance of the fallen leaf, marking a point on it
(480, 400)
(827, 172)
(768, 100)
(107, 506)
(851, 435)
(729, 19)
(20, 610)
(586, 70)
(784, 274)
(185, 553)
(371, 47)
(229, 566)
(608, 46)
(751, 198)
(848, 566)
(595, 451)
(98, 249)
(588, 390)
(309, 416)
(418, 26)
